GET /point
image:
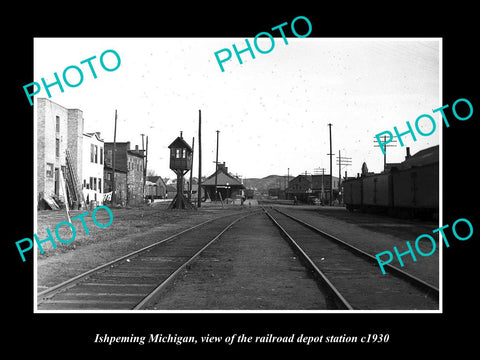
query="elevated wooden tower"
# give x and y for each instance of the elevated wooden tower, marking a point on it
(181, 155)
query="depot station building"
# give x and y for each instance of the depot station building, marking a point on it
(228, 186)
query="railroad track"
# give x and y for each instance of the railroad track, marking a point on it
(134, 280)
(351, 275)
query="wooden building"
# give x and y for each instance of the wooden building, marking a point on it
(181, 157)
(228, 186)
(92, 169)
(306, 187)
(155, 187)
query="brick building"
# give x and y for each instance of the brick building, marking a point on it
(304, 187)
(131, 163)
(58, 129)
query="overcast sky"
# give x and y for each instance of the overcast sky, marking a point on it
(272, 111)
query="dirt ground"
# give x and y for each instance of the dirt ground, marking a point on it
(406, 229)
(375, 233)
(249, 268)
(136, 228)
(131, 229)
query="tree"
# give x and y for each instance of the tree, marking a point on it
(364, 169)
(151, 172)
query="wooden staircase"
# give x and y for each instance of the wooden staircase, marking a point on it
(74, 194)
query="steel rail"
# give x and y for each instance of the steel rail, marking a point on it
(154, 294)
(431, 290)
(70, 282)
(339, 299)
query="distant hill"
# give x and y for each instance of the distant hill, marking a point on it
(268, 182)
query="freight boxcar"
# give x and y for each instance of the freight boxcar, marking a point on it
(415, 190)
(352, 193)
(408, 189)
(377, 192)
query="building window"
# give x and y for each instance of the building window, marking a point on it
(57, 124)
(184, 153)
(100, 185)
(101, 155)
(178, 154)
(49, 170)
(57, 147)
(91, 182)
(92, 153)
(109, 157)
(96, 154)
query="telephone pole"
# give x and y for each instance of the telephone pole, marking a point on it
(144, 168)
(216, 169)
(199, 199)
(331, 154)
(345, 161)
(394, 141)
(146, 162)
(316, 171)
(114, 196)
(190, 186)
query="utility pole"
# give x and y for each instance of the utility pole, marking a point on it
(145, 167)
(331, 154)
(339, 170)
(190, 186)
(316, 171)
(199, 199)
(288, 183)
(216, 169)
(323, 185)
(345, 161)
(144, 173)
(114, 196)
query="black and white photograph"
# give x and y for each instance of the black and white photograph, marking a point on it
(241, 181)
(241, 189)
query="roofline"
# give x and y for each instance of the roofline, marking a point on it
(53, 102)
(93, 134)
(116, 169)
(133, 152)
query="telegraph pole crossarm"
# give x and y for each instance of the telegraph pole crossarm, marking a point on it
(394, 141)
(342, 161)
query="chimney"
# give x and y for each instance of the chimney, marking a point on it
(136, 148)
(408, 153)
(181, 134)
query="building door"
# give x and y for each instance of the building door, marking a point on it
(57, 181)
